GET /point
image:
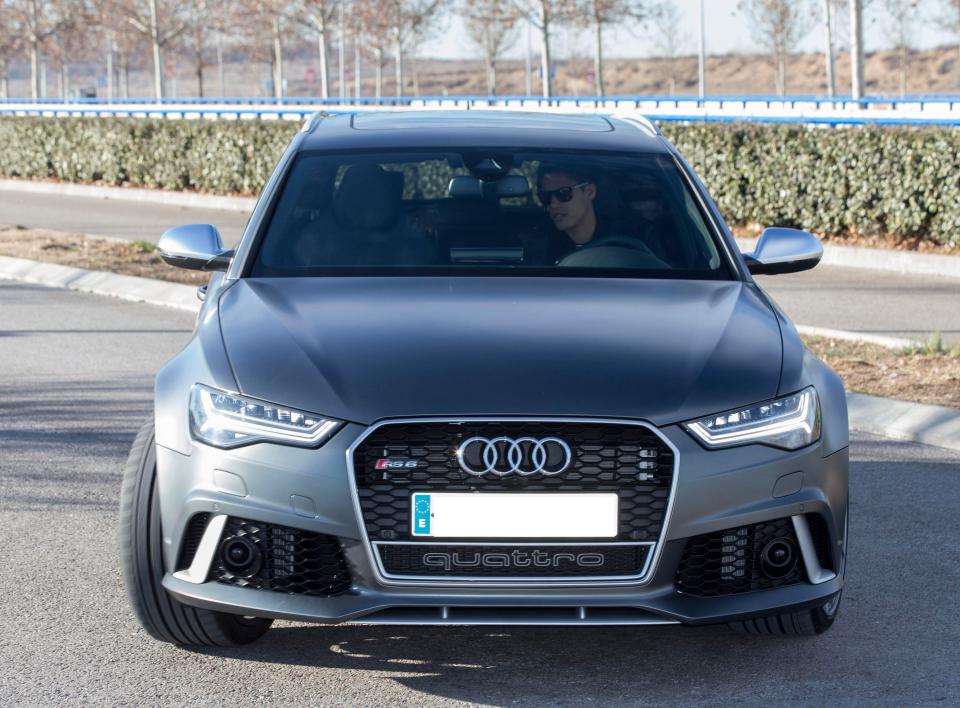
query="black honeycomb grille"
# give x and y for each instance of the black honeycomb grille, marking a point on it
(627, 459)
(293, 561)
(191, 539)
(729, 562)
(821, 540)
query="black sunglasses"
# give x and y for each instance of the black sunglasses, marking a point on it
(564, 194)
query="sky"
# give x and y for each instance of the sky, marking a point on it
(728, 31)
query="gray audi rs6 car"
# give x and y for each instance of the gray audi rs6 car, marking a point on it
(487, 368)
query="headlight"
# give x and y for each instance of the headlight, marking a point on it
(226, 420)
(790, 423)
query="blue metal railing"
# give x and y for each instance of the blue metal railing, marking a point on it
(878, 110)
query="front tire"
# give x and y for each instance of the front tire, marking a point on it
(141, 544)
(805, 623)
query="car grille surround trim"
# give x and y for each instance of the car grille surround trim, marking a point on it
(652, 556)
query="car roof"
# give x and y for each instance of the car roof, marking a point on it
(481, 128)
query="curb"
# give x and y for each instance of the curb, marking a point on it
(900, 420)
(125, 287)
(847, 336)
(142, 196)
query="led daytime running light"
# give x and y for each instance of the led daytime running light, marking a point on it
(790, 423)
(227, 420)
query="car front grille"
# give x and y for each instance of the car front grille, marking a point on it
(513, 560)
(629, 460)
(730, 562)
(290, 560)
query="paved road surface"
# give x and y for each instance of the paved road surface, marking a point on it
(110, 217)
(75, 377)
(838, 298)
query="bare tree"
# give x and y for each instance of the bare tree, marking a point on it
(542, 16)
(667, 38)
(161, 22)
(899, 26)
(780, 25)
(269, 20)
(856, 49)
(410, 21)
(203, 17)
(319, 16)
(602, 13)
(491, 25)
(9, 46)
(950, 18)
(37, 21)
(374, 37)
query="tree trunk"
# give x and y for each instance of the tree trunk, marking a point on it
(220, 87)
(782, 73)
(4, 88)
(34, 68)
(277, 60)
(157, 60)
(356, 68)
(110, 68)
(545, 48)
(598, 53)
(378, 55)
(828, 50)
(200, 77)
(856, 49)
(902, 55)
(322, 51)
(398, 66)
(490, 58)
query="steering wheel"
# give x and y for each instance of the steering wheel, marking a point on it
(615, 251)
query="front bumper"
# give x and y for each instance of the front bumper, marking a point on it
(310, 490)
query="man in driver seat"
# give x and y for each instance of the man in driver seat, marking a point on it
(568, 194)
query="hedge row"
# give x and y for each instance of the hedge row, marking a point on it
(225, 157)
(873, 180)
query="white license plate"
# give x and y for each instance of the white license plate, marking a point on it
(451, 515)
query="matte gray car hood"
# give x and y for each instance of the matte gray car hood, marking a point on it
(361, 349)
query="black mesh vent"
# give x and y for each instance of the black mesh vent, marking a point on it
(526, 561)
(291, 560)
(629, 460)
(729, 562)
(821, 540)
(191, 539)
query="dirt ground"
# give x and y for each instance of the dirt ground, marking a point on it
(924, 375)
(929, 374)
(129, 258)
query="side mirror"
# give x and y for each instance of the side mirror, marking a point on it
(784, 251)
(194, 246)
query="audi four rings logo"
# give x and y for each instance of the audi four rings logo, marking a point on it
(524, 456)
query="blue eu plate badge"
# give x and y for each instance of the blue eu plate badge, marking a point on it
(421, 514)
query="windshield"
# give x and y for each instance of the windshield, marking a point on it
(487, 212)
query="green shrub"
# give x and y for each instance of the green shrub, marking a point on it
(903, 181)
(866, 180)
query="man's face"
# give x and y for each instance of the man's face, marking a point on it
(566, 215)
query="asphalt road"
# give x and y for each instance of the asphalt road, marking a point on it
(75, 384)
(912, 307)
(111, 217)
